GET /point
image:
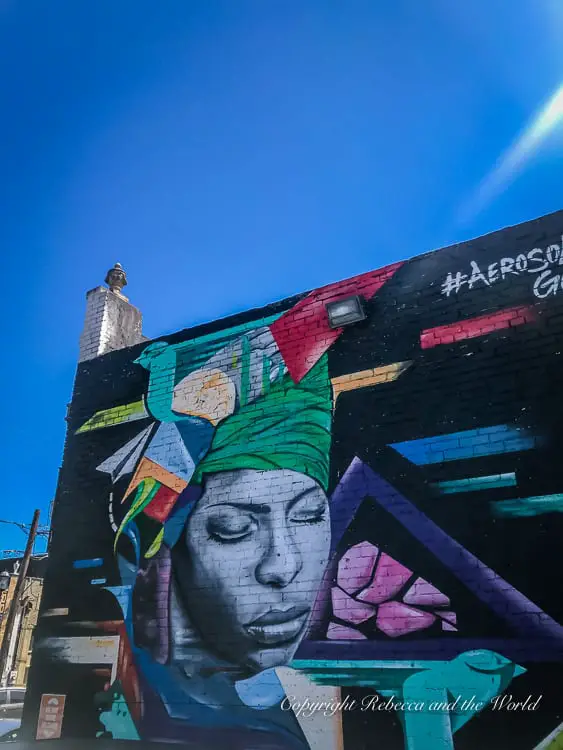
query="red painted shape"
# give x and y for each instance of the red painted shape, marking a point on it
(126, 669)
(474, 327)
(161, 504)
(303, 333)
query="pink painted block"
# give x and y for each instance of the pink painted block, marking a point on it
(395, 619)
(337, 632)
(479, 326)
(348, 609)
(389, 577)
(448, 616)
(447, 626)
(355, 568)
(303, 334)
(422, 592)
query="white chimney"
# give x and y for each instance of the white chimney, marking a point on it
(111, 321)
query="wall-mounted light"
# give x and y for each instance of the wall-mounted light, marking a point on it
(345, 311)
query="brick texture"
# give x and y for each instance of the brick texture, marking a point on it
(265, 528)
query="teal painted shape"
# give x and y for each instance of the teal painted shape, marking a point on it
(467, 684)
(245, 371)
(464, 686)
(117, 719)
(528, 506)
(380, 675)
(161, 360)
(475, 484)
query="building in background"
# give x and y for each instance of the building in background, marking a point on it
(21, 638)
(269, 527)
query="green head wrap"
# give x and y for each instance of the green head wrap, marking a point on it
(287, 428)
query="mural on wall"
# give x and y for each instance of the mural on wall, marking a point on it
(288, 559)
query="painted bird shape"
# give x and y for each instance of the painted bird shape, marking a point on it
(474, 676)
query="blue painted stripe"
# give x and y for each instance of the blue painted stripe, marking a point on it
(484, 441)
(98, 581)
(474, 484)
(528, 506)
(95, 562)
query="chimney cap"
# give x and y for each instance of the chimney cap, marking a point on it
(116, 279)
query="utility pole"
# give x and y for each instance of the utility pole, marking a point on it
(5, 656)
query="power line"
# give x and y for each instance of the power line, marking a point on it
(26, 527)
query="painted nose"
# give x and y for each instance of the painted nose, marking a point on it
(282, 560)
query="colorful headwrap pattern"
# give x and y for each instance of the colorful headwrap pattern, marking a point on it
(288, 428)
(240, 409)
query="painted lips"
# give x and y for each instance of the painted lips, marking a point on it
(277, 627)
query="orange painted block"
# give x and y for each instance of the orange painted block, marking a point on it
(148, 469)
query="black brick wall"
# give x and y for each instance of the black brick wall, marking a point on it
(491, 371)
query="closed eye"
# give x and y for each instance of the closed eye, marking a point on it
(308, 518)
(230, 526)
(310, 508)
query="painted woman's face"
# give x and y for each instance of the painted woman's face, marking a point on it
(257, 546)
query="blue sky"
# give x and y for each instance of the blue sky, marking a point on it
(231, 153)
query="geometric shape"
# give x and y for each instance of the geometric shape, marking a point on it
(262, 690)
(337, 632)
(450, 617)
(122, 596)
(321, 732)
(95, 562)
(475, 327)
(56, 612)
(484, 441)
(206, 393)
(525, 507)
(303, 334)
(123, 461)
(423, 593)
(114, 416)
(196, 435)
(162, 503)
(167, 449)
(447, 626)
(390, 576)
(523, 615)
(355, 568)
(116, 717)
(395, 619)
(364, 378)
(148, 469)
(348, 609)
(474, 484)
(553, 741)
(535, 636)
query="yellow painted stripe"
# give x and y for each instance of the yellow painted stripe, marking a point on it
(365, 378)
(114, 416)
